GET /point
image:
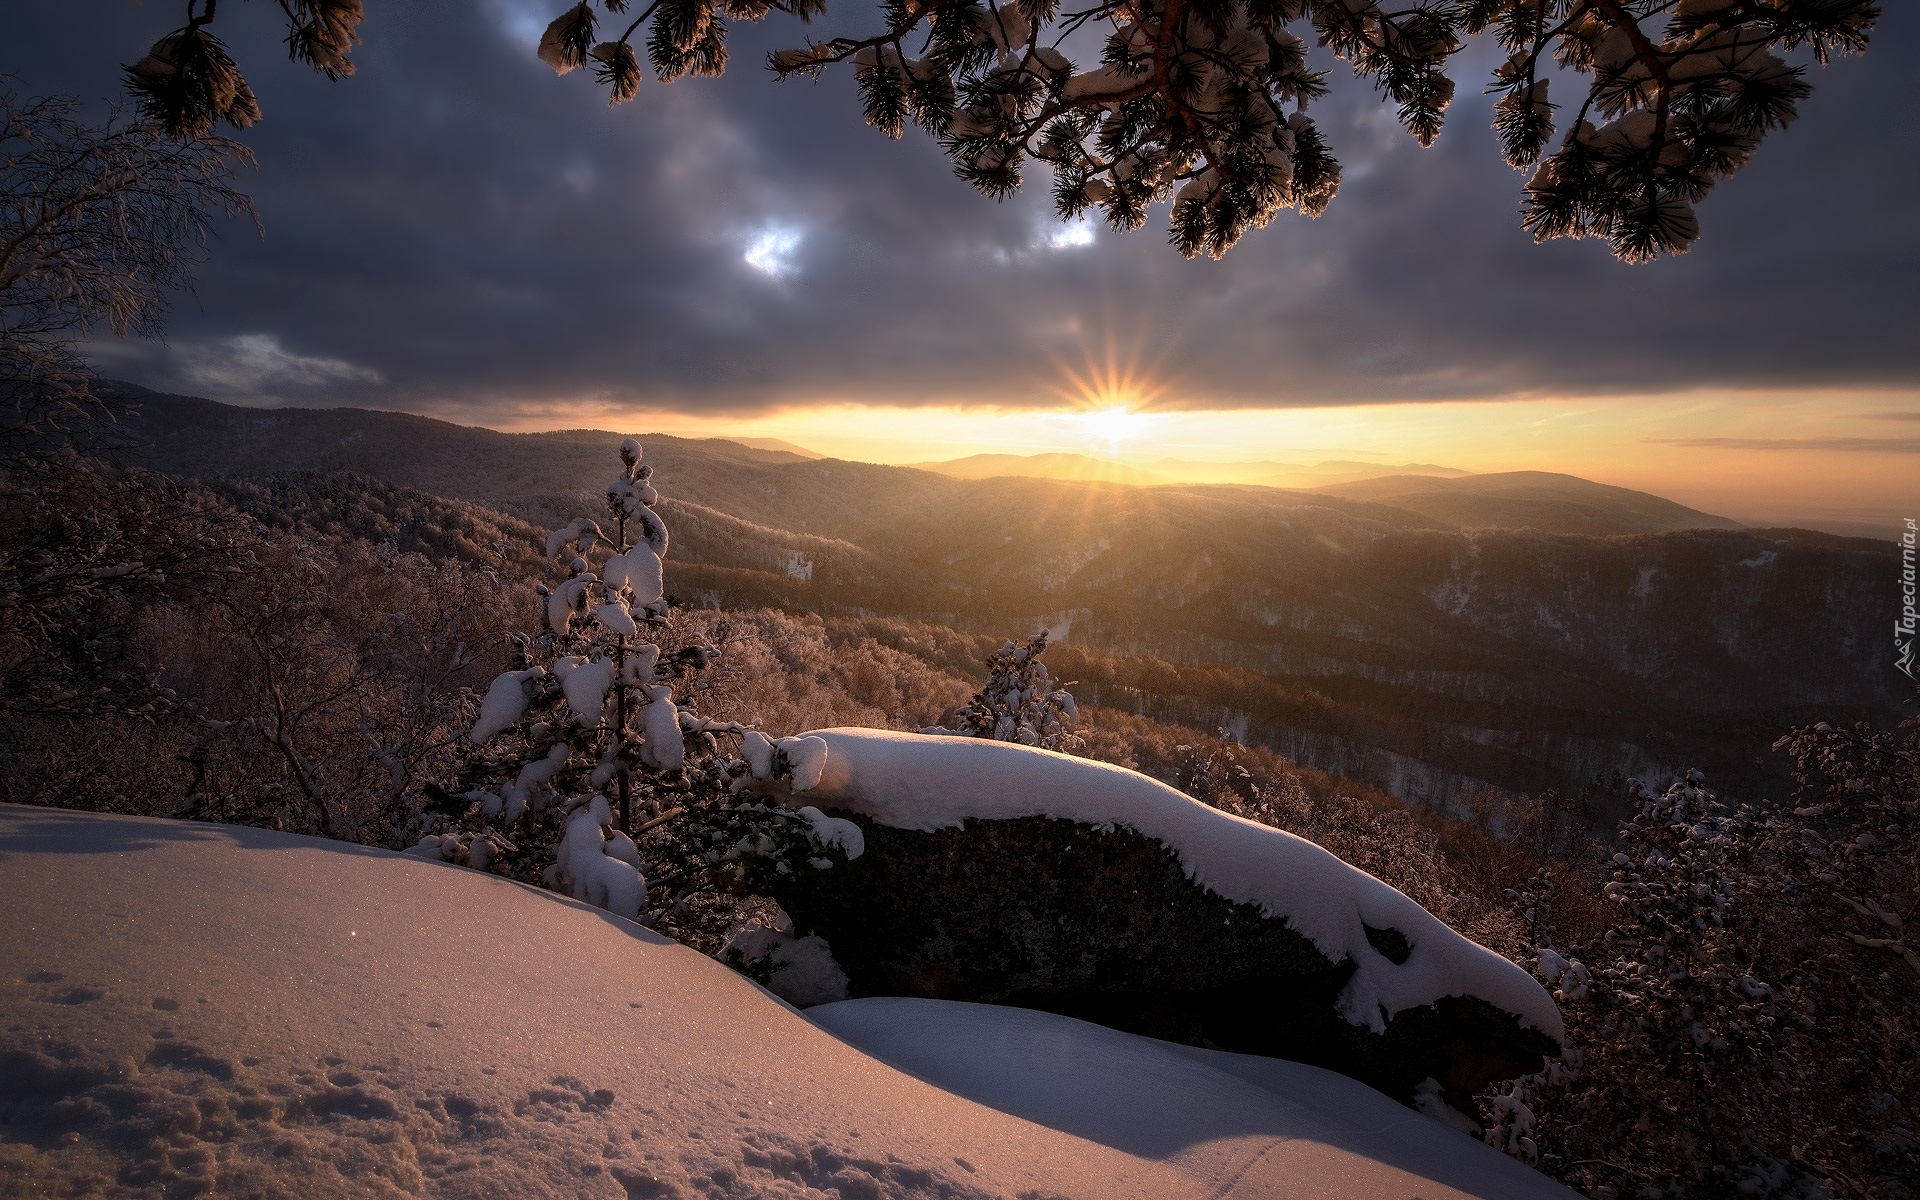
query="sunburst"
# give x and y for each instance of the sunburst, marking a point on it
(1107, 399)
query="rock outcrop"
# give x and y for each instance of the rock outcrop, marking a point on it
(1166, 918)
(1105, 926)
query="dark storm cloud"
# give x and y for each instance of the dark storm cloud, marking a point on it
(455, 227)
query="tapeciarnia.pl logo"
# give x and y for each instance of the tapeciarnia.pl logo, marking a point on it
(1903, 626)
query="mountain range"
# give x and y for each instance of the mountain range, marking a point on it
(1427, 634)
(1087, 468)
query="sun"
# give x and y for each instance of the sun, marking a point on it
(1105, 401)
(1112, 428)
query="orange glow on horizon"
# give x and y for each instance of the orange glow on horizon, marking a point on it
(1844, 458)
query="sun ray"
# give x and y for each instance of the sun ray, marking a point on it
(1107, 398)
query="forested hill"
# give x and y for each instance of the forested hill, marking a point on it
(1423, 648)
(1544, 500)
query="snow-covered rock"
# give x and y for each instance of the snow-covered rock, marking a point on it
(1001, 873)
(203, 1009)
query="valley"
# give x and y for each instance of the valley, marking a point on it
(1427, 635)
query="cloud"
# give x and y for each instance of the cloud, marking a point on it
(1857, 445)
(1068, 235)
(497, 240)
(257, 364)
(771, 251)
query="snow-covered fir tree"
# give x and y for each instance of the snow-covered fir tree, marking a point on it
(1745, 1026)
(1509, 1109)
(593, 767)
(1669, 998)
(1019, 702)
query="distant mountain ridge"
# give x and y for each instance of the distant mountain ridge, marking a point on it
(1157, 472)
(767, 443)
(1083, 468)
(1543, 500)
(1374, 641)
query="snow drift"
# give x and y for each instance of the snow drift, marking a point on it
(197, 1007)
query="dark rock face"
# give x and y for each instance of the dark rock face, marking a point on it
(1105, 926)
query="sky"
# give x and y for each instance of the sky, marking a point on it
(457, 232)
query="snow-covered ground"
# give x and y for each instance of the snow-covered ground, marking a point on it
(1241, 1124)
(190, 1008)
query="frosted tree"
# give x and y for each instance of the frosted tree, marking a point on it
(1509, 1111)
(1676, 1009)
(1857, 831)
(1749, 1022)
(1019, 702)
(1672, 971)
(1841, 869)
(99, 223)
(591, 763)
(1203, 103)
(1676, 1001)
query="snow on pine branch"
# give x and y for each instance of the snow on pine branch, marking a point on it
(1201, 104)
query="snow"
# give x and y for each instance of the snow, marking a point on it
(620, 846)
(213, 1009)
(440, 847)
(835, 831)
(615, 617)
(504, 703)
(665, 746)
(807, 756)
(585, 683)
(1430, 1098)
(1101, 81)
(553, 43)
(1237, 1123)
(928, 782)
(580, 530)
(804, 972)
(515, 797)
(799, 58)
(640, 663)
(758, 751)
(639, 569)
(655, 531)
(204, 1009)
(1199, 187)
(802, 758)
(600, 872)
(565, 598)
